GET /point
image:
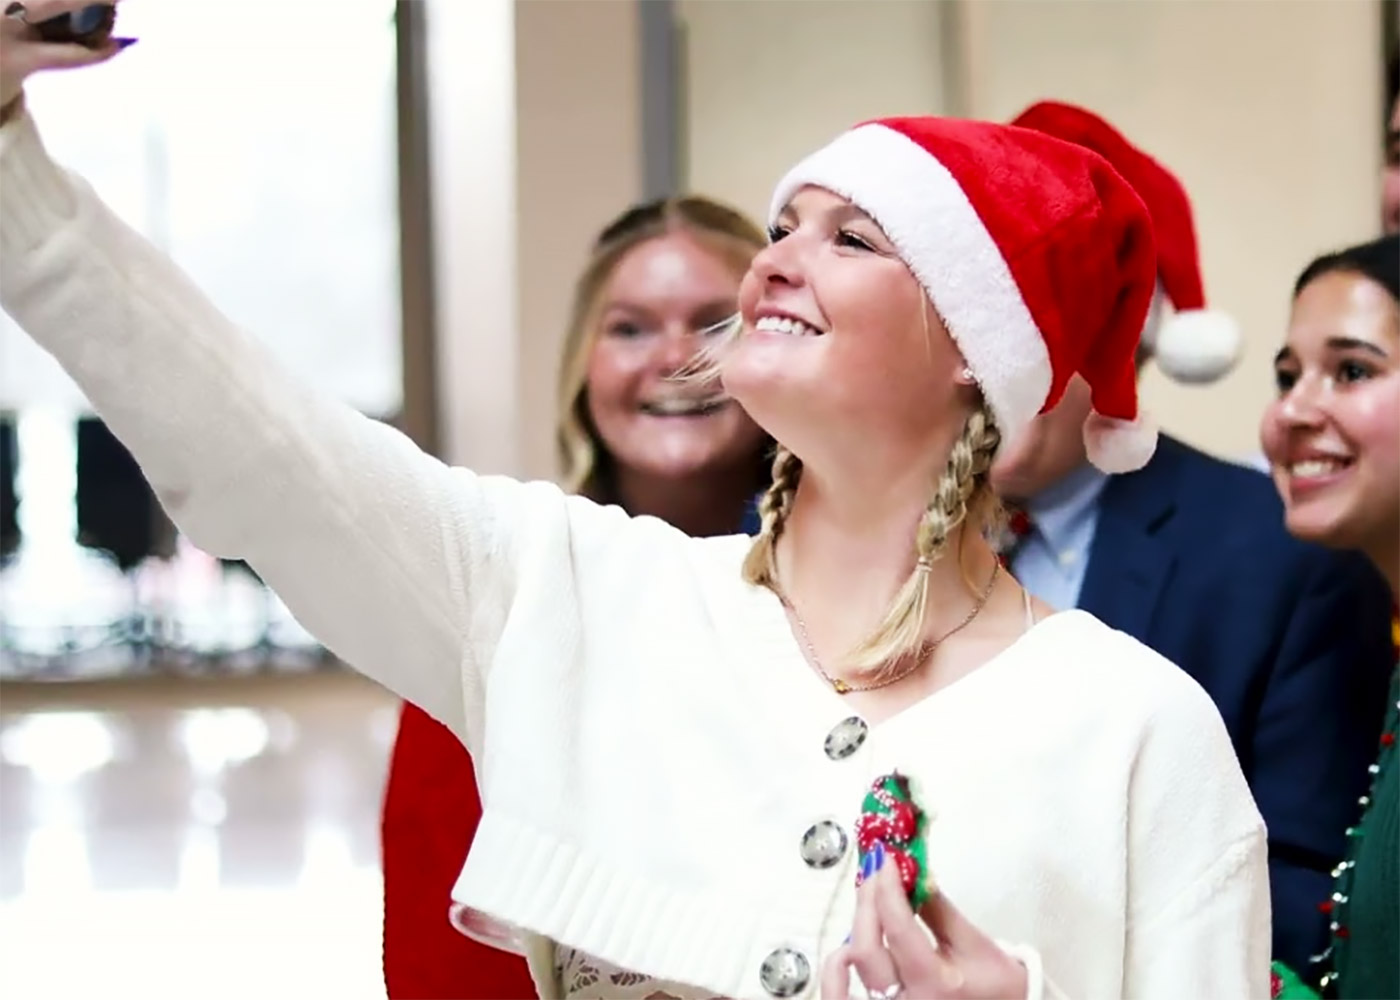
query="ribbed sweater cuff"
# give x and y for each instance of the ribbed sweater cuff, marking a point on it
(36, 195)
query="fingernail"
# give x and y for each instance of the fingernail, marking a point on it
(125, 43)
(879, 855)
(867, 866)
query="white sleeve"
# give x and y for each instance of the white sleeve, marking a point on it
(403, 567)
(1038, 985)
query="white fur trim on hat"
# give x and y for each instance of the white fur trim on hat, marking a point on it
(1197, 346)
(939, 235)
(1117, 446)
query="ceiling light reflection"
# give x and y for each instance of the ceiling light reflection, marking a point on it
(59, 747)
(216, 739)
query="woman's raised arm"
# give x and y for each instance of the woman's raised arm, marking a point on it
(402, 566)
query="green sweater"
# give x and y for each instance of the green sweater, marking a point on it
(1368, 953)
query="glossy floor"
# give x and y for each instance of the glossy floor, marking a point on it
(192, 838)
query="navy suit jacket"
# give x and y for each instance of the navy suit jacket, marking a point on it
(1292, 642)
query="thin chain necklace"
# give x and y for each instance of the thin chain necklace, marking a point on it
(917, 660)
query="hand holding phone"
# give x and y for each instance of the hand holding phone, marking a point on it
(52, 34)
(89, 27)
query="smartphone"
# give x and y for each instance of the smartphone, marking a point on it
(89, 26)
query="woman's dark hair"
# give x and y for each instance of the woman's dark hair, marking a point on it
(1378, 260)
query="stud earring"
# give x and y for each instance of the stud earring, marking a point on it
(966, 375)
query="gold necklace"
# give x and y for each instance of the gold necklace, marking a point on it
(917, 660)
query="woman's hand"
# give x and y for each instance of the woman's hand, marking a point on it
(891, 951)
(23, 54)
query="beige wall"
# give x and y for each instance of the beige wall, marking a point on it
(770, 80)
(1269, 112)
(535, 145)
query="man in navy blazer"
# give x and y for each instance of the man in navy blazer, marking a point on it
(1190, 555)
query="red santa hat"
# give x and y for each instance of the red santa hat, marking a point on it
(1038, 257)
(1196, 344)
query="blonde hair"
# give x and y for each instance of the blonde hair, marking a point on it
(962, 496)
(729, 234)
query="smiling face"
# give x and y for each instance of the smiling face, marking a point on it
(653, 316)
(840, 356)
(1333, 434)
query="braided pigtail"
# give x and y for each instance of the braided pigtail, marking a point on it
(760, 565)
(962, 490)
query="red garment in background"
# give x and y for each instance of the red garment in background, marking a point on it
(431, 811)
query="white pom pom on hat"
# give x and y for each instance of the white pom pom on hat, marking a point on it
(1116, 446)
(1196, 346)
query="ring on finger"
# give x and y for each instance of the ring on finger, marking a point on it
(890, 992)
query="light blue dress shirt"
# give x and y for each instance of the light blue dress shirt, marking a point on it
(1051, 560)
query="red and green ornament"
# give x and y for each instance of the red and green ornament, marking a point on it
(890, 816)
(1285, 984)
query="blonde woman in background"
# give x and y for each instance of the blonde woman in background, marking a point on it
(658, 279)
(662, 277)
(674, 735)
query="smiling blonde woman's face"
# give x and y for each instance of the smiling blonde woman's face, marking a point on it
(841, 356)
(655, 313)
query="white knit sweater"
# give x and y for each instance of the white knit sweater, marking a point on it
(649, 739)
